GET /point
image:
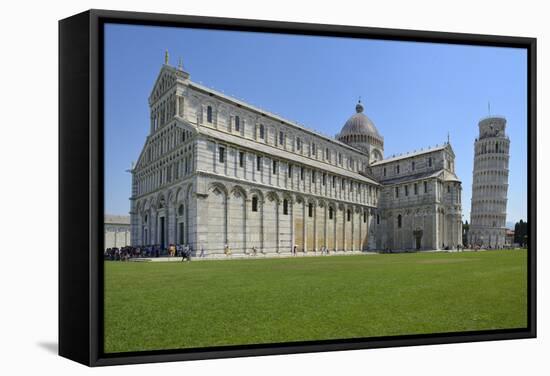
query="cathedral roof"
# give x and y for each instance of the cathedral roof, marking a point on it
(412, 154)
(359, 124)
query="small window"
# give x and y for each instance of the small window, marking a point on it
(384, 171)
(396, 192)
(406, 190)
(377, 219)
(262, 131)
(412, 166)
(281, 138)
(221, 154)
(254, 204)
(313, 149)
(399, 221)
(349, 215)
(258, 163)
(289, 170)
(324, 178)
(180, 210)
(302, 173)
(343, 185)
(425, 187)
(448, 189)
(334, 182)
(237, 123)
(364, 217)
(241, 159)
(310, 210)
(313, 176)
(415, 188)
(430, 162)
(298, 143)
(330, 213)
(285, 206)
(397, 169)
(209, 114)
(327, 154)
(274, 167)
(340, 158)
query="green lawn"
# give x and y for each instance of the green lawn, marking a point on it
(151, 306)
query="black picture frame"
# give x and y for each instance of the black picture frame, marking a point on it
(81, 185)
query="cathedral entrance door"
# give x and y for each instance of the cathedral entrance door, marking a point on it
(162, 245)
(418, 239)
(180, 233)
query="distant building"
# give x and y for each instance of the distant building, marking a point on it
(116, 229)
(490, 184)
(216, 171)
(509, 240)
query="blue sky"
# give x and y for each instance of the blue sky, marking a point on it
(415, 93)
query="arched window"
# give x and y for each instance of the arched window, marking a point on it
(349, 215)
(399, 220)
(254, 203)
(180, 210)
(310, 210)
(365, 217)
(330, 213)
(145, 218)
(209, 114)
(285, 206)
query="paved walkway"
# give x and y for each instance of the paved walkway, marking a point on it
(260, 256)
(241, 256)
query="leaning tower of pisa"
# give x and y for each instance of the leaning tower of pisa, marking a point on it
(490, 184)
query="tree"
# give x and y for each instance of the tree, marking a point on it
(520, 232)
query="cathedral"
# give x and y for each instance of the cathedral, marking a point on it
(219, 174)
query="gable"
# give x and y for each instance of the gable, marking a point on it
(165, 80)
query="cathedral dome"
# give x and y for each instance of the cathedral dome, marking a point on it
(359, 124)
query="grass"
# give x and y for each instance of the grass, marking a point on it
(153, 306)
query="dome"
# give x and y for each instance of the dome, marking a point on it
(359, 124)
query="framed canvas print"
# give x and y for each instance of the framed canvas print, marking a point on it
(240, 187)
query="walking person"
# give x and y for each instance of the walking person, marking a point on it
(185, 253)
